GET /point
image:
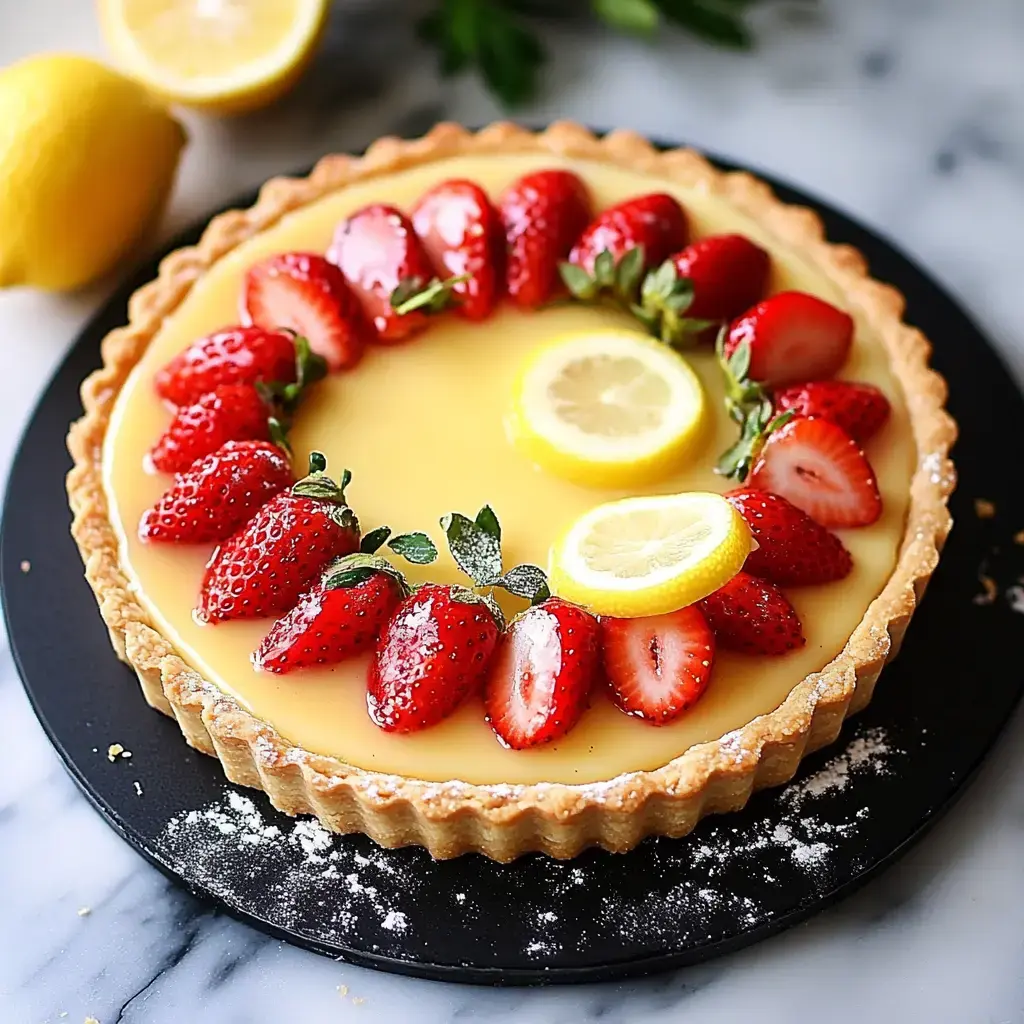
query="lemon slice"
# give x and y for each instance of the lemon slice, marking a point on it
(607, 408)
(225, 55)
(649, 555)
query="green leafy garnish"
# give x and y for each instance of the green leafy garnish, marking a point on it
(475, 548)
(433, 296)
(529, 581)
(749, 406)
(417, 548)
(475, 545)
(351, 570)
(489, 37)
(658, 298)
(498, 40)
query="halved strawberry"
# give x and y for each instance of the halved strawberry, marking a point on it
(541, 674)
(728, 274)
(656, 221)
(658, 666)
(344, 611)
(462, 234)
(818, 467)
(218, 493)
(231, 412)
(432, 655)
(309, 295)
(752, 616)
(378, 251)
(792, 337)
(792, 548)
(543, 214)
(262, 568)
(338, 618)
(235, 355)
(860, 409)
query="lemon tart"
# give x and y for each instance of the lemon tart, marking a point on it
(451, 419)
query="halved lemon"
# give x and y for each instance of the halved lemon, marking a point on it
(224, 55)
(649, 555)
(607, 408)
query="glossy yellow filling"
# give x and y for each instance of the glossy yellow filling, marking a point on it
(421, 427)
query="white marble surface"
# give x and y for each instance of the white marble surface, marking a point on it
(910, 114)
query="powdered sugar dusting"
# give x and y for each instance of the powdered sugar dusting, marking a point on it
(867, 752)
(345, 891)
(346, 884)
(701, 871)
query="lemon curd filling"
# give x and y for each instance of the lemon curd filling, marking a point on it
(422, 427)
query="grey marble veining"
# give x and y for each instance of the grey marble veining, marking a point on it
(908, 113)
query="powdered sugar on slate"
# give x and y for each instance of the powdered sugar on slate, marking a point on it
(230, 846)
(706, 864)
(304, 862)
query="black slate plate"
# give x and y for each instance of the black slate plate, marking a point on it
(735, 880)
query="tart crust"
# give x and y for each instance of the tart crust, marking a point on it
(503, 821)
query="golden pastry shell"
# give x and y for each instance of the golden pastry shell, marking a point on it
(505, 821)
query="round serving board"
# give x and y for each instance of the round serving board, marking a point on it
(736, 879)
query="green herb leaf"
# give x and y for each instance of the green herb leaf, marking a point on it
(639, 17)
(466, 596)
(604, 270)
(412, 294)
(629, 272)
(709, 20)
(580, 284)
(611, 281)
(749, 406)
(488, 521)
(319, 485)
(487, 35)
(417, 548)
(476, 551)
(528, 581)
(309, 367)
(346, 578)
(351, 570)
(372, 541)
(278, 434)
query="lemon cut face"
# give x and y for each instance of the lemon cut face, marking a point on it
(226, 55)
(649, 555)
(607, 409)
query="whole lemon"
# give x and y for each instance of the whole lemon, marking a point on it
(87, 160)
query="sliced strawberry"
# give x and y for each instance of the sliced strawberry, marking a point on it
(658, 666)
(818, 467)
(341, 616)
(378, 250)
(543, 214)
(752, 616)
(309, 295)
(218, 493)
(541, 675)
(792, 337)
(860, 409)
(728, 274)
(231, 412)
(262, 568)
(236, 355)
(432, 655)
(462, 234)
(655, 221)
(793, 549)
